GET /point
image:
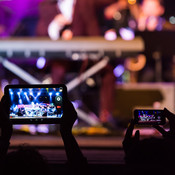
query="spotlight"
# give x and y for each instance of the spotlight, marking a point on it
(110, 35)
(127, 33)
(43, 128)
(25, 93)
(132, 2)
(172, 20)
(41, 62)
(118, 70)
(20, 101)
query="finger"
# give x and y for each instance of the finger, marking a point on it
(169, 115)
(137, 135)
(161, 130)
(129, 131)
(5, 104)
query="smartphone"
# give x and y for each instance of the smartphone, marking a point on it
(36, 104)
(149, 117)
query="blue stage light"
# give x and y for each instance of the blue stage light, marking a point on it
(118, 70)
(20, 101)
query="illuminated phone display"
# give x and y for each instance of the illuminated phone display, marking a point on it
(36, 103)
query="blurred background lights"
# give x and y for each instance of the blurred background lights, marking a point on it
(41, 61)
(131, 2)
(172, 19)
(4, 82)
(90, 82)
(75, 104)
(127, 33)
(117, 16)
(15, 81)
(110, 35)
(42, 129)
(118, 70)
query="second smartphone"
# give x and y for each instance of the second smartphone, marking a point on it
(149, 117)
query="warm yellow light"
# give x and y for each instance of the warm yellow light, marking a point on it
(131, 2)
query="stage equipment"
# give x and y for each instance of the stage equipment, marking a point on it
(19, 72)
(36, 47)
(79, 48)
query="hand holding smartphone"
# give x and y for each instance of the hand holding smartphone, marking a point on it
(149, 117)
(36, 104)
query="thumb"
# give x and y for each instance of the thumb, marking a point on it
(137, 135)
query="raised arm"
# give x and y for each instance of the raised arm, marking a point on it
(74, 155)
(5, 128)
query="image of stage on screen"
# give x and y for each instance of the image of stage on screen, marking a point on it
(36, 103)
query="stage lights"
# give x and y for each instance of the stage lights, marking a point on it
(41, 61)
(20, 101)
(110, 35)
(172, 19)
(25, 93)
(132, 2)
(127, 33)
(118, 70)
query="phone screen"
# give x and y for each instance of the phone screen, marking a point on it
(36, 103)
(149, 117)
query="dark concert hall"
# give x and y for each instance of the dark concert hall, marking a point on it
(87, 87)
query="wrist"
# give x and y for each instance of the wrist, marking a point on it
(65, 131)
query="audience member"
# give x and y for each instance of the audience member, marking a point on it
(154, 155)
(82, 20)
(26, 159)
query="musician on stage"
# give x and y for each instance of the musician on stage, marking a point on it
(80, 20)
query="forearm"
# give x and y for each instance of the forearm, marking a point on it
(73, 152)
(4, 145)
